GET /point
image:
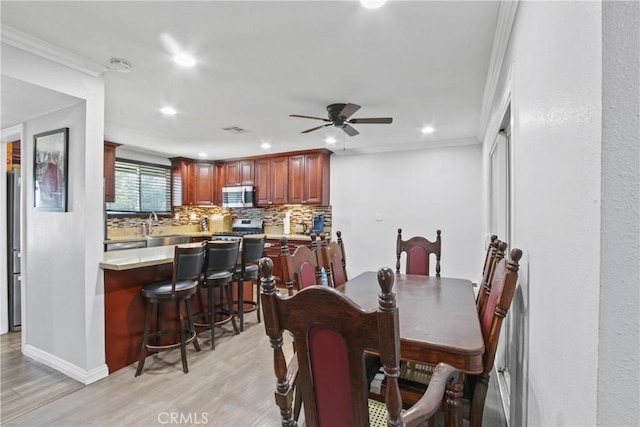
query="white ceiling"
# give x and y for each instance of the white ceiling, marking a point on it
(420, 62)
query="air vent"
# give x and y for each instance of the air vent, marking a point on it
(235, 129)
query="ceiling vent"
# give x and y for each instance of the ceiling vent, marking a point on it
(235, 129)
(121, 65)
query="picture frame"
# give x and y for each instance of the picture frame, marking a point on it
(51, 170)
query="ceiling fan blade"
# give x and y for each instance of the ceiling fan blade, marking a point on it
(348, 110)
(316, 128)
(350, 130)
(383, 120)
(309, 117)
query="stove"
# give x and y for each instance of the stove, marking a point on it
(241, 227)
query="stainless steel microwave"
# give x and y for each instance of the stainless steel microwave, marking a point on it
(238, 197)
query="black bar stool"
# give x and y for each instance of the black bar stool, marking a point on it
(247, 271)
(187, 268)
(220, 261)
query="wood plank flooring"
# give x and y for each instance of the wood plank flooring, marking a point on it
(231, 386)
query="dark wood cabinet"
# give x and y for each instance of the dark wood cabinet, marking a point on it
(181, 181)
(218, 183)
(109, 171)
(239, 172)
(192, 182)
(271, 175)
(203, 183)
(309, 178)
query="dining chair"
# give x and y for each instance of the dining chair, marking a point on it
(187, 267)
(495, 254)
(220, 261)
(418, 249)
(335, 261)
(301, 268)
(247, 271)
(332, 335)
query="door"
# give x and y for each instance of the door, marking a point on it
(500, 222)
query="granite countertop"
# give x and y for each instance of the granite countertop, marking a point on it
(137, 258)
(139, 238)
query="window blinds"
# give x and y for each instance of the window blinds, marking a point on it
(141, 187)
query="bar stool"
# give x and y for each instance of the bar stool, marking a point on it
(187, 268)
(247, 271)
(220, 262)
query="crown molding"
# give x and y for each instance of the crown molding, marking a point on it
(506, 17)
(28, 43)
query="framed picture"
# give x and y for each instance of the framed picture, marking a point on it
(50, 170)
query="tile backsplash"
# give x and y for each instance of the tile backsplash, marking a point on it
(186, 216)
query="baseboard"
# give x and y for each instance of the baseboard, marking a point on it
(69, 369)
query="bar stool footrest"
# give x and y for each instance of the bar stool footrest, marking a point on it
(158, 348)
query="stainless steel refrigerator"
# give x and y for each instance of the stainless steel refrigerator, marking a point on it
(13, 248)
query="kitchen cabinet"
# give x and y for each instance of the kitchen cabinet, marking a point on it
(203, 183)
(181, 181)
(239, 172)
(309, 178)
(271, 180)
(109, 171)
(192, 182)
(218, 183)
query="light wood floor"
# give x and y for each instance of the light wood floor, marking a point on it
(231, 386)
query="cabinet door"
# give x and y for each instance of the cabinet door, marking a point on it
(110, 171)
(245, 169)
(218, 183)
(263, 179)
(203, 183)
(232, 174)
(181, 182)
(296, 179)
(314, 179)
(279, 180)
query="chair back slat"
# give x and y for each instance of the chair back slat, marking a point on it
(418, 249)
(334, 261)
(300, 268)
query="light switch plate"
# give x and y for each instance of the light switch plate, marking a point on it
(193, 216)
(379, 217)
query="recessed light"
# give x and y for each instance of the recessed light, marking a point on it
(203, 154)
(184, 60)
(265, 145)
(372, 4)
(331, 140)
(169, 111)
(428, 129)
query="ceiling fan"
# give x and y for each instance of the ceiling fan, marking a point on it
(339, 117)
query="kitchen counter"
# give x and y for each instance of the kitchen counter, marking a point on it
(138, 238)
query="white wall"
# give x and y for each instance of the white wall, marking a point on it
(619, 346)
(555, 55)
(64, 325)
(419, 191)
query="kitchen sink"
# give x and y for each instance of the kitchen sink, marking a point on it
(167, 239)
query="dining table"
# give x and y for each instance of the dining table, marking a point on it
(438, 323)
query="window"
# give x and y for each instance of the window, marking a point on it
(141, 187)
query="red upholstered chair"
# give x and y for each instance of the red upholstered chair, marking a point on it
(302, 267)
(334, 260)
(418, 249)
(332, 334)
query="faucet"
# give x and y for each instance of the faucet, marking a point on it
(152, 216)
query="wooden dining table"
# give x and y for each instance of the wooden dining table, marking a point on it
(438, 323)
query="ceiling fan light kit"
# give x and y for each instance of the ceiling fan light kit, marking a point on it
(339, 114)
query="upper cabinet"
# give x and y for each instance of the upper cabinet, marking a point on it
(309, 178)
(203, 183)
(271, 181)
(238, 172)
(181, 181)
(110, 171)
(288, 178)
